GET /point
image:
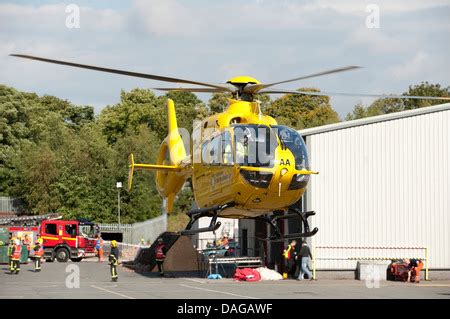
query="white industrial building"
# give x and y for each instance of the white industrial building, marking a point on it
(383, 191)
(384, 182)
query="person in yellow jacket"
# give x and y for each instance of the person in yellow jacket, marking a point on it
(290, 257)
(114, 260)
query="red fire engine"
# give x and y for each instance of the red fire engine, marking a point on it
(64, 240)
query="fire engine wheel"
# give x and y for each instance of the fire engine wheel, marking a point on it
(62, 255)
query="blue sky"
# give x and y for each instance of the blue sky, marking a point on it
(215, 40)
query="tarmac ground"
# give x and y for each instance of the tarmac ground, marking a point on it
(90, 280)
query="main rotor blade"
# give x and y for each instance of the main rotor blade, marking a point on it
(199, 90)
(256, 87)
(121, 72)
(383, 96)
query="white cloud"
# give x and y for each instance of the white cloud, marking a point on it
(423, 66)
(386, 6)
(213, 41)
(166, 17)
(52, 18)
(377, 41)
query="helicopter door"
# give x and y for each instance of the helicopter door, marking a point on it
(221, 162)
(217, 167)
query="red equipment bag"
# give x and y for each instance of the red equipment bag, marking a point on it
(247, 274)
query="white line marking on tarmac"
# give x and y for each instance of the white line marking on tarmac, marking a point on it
(195, 280)
(220, 292)
(433, 285)
(112, 292)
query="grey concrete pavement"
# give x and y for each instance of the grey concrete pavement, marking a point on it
(94, 282)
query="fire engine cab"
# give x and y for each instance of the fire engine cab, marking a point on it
(64, 240)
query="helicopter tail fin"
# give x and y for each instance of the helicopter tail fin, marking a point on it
(173, 165)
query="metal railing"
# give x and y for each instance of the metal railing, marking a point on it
(133, 234)
(11, 205)
(343, 253)
(211, 246)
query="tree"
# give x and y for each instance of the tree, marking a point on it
(143, 201)
(218, 102)
(139, 106)
(425, 89)
(302, 111)
(392, 105)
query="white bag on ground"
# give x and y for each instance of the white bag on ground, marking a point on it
(269, 274)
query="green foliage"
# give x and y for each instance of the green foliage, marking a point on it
(218, 102)
(302, 111)
(392, 105)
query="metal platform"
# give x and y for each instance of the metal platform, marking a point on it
(235, 262)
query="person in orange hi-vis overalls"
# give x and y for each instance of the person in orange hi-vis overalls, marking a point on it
(15, 257)
(414, 267)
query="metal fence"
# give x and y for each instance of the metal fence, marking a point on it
(11, 205)
(133, 234)
(125, 229)
(352, 254)
(149, 230)
(128, 252)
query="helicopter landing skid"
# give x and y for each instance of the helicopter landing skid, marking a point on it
(196, 214)
(292, 213)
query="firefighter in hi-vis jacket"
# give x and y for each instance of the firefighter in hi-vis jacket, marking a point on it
(10, 252)
(38, 254)
(114, 260)
(160, 255)
(15, 256)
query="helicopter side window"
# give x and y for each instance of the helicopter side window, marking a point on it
(214, 151)
(227, 149)
(255, 145)
(205, 152)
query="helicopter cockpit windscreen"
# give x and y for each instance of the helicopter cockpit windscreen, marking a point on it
(254, 145)
(294, 142)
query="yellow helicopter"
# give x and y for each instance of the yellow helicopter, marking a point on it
(242, 163)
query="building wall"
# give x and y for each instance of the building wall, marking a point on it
(382, 184)
(229, 227)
